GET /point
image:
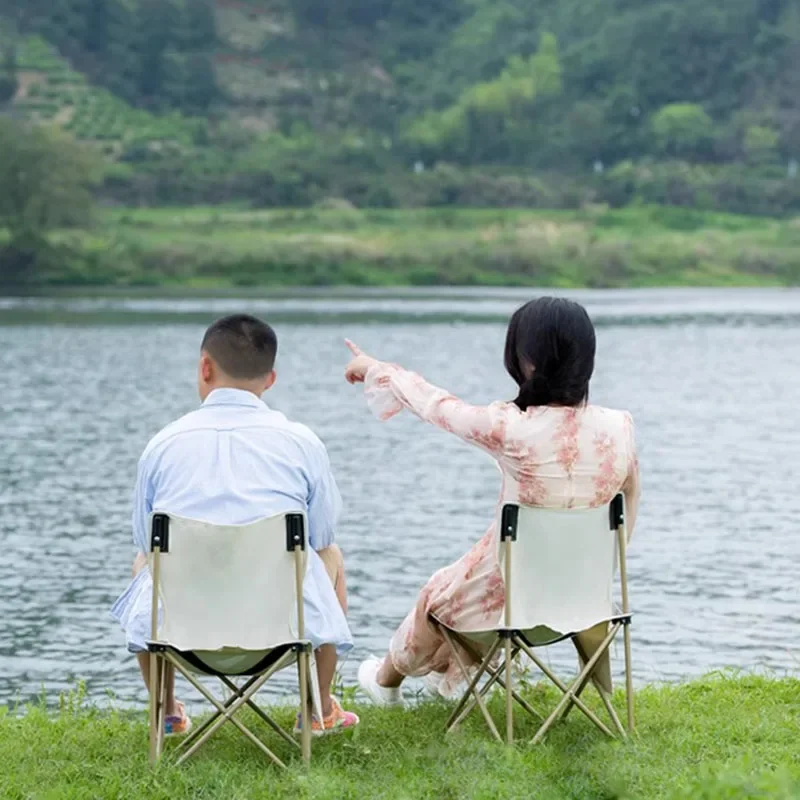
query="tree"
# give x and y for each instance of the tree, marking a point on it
(761, 145)
(96, 31)
(190, 79)
(121, 50)
(9, 82)
(158, 22)
(358, 13)
(486, 121)
(683, 130)
(200, 84)
(200, 28)
(47, 183)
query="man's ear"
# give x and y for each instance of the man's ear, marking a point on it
(270, 382)
(206, 368)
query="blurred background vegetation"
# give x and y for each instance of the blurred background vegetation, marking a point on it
(381, 104)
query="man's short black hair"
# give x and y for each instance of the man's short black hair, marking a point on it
(244, 347)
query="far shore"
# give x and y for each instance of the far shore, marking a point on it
(227, 249)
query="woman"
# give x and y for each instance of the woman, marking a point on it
(553, 449)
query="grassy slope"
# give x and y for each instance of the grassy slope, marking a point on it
(632, 247)
(720, 737)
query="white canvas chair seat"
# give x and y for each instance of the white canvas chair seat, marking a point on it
(231, 606)
(558, 569)
(233, 663)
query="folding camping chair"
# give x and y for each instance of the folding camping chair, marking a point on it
(558, 569)
(231, 605)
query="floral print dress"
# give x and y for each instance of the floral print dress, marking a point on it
(549, 456)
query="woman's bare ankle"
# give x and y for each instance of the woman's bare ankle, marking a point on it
(388, 677)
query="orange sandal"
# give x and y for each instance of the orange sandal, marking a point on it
(178, 724)
(337, 721)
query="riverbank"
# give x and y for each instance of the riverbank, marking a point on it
(719, 737)
(229, 247)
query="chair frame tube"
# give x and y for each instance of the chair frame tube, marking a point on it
(508, 645)
(622, 546)
(155, 694)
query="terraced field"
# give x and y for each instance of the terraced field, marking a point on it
(50, 91)
(267, 68)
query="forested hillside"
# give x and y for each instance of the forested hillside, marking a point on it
(403, 102)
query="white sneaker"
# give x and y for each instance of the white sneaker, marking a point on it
(368, 680)
(433, 682)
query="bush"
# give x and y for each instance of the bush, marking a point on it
(683, 130)
(8, 87)
(761, 145)
(729, 188)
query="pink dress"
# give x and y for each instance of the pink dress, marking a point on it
(553, 457)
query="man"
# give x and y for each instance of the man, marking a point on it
(234, 461)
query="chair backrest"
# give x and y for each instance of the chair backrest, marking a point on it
(229, 586)
(562, 565)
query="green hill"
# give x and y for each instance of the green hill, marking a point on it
(397, 102)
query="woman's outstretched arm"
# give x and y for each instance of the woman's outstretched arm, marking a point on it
(390, 388)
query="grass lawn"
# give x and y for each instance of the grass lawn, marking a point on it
(225, 247)
(719, 737)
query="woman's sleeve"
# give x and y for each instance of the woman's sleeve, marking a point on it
(631, 488)
(390, 388)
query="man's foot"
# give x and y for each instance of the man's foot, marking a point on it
(178, 724)
(337, 721)
(368, 680)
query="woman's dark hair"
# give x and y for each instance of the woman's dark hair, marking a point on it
(555, 338)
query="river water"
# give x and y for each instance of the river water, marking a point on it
(712, 378)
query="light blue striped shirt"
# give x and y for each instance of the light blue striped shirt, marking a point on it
(233, 461)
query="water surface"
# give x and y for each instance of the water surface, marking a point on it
(712, 378)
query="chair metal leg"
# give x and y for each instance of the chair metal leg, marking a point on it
(612, 712)
(154, 696)
(564, 688)
(235, 693)
(495, 678)
(570, 692)
(467, 702)
(473, 684)
(227, 714)
(509, 693)
(187, 740)
(253, 707)
(626, 634)
(604, 696)
(162, 700)
(305, 697)
(606, 700)
(571, 705)
(583, 659)
(457, 717)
